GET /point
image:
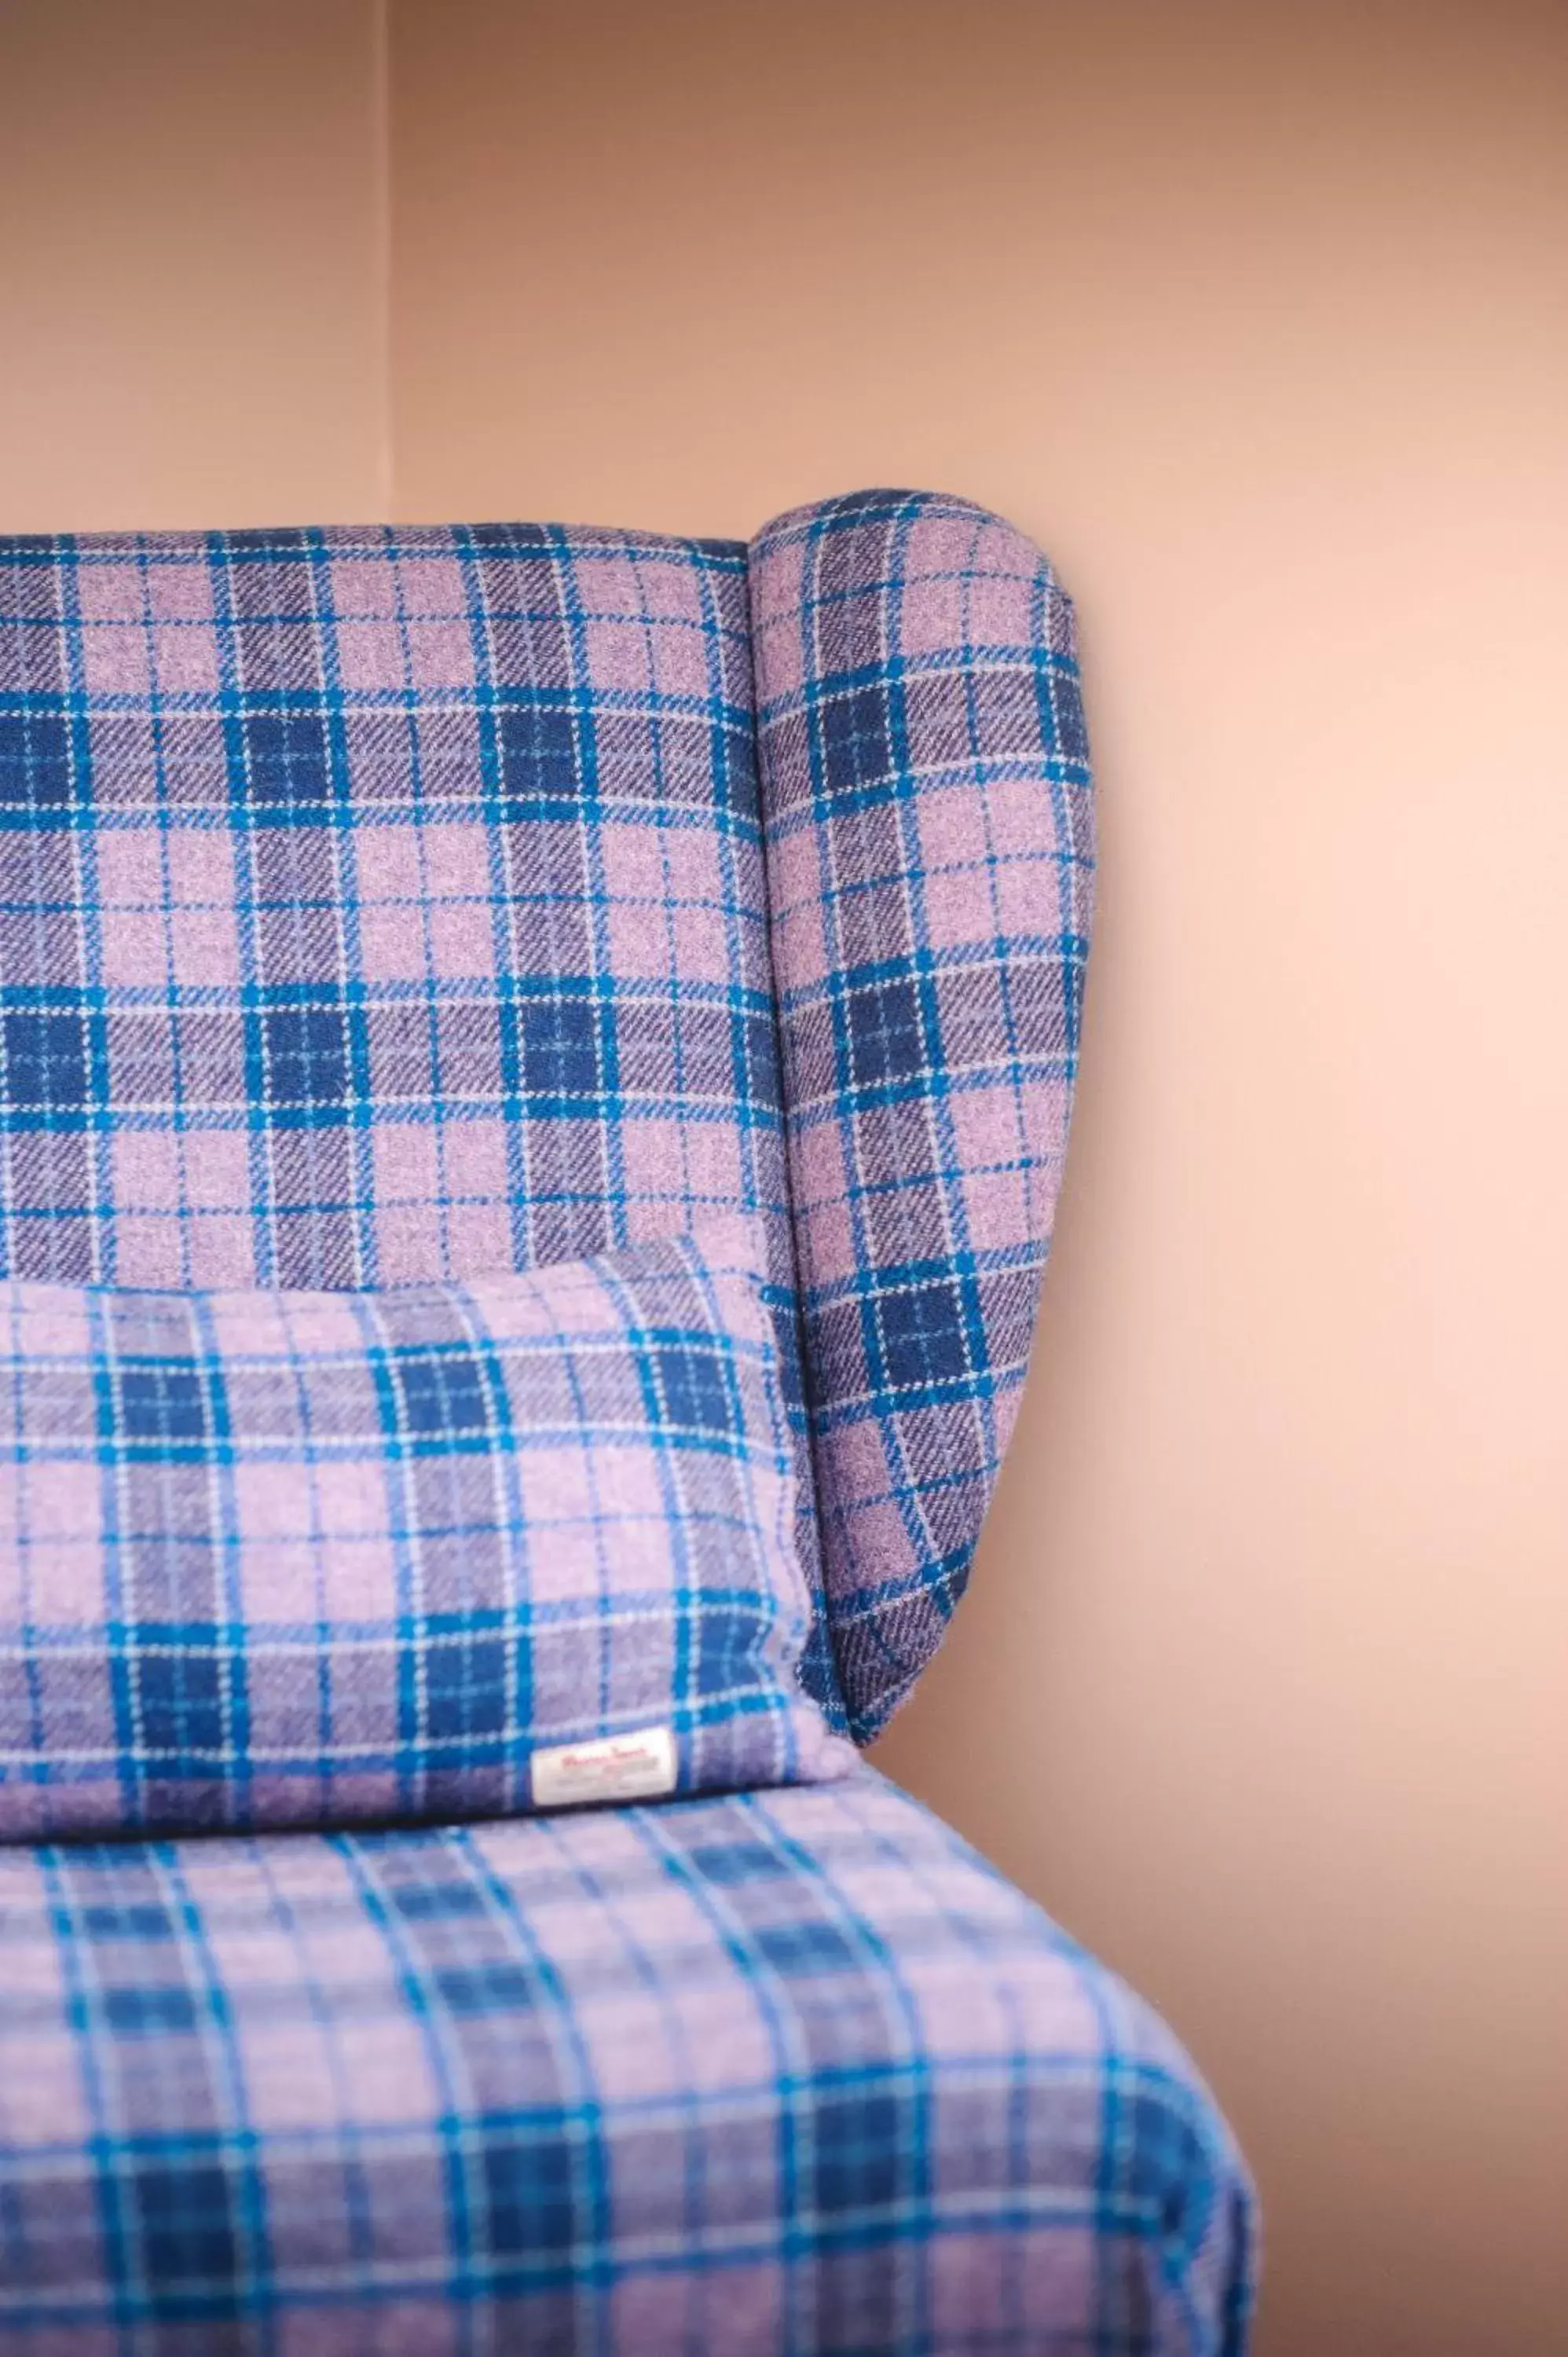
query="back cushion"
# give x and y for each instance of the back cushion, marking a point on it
(376, 906)
(299, 1559)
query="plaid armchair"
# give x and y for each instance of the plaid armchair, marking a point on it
(380, 906)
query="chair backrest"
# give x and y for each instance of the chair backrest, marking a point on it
(379, 904)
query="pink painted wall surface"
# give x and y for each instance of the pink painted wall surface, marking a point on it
(193, 283)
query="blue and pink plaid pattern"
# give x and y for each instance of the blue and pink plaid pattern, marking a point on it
(927, 815)
(380, 906)
(299, 1559)
(376, 906)
(781, 2074)
(417, 908)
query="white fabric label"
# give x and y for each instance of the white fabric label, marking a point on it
(609, 1768)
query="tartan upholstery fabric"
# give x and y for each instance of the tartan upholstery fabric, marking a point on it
(380, 906)
(926, 802)
(785, 2074)
(377, 906)
(311, 1557)
(418, 906)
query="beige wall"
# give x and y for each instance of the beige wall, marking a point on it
(193, 309)
(1258, 317)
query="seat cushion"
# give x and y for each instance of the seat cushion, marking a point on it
(786, 2074)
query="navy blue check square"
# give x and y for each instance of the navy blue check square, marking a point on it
(726, 1646)
(45, 1066)
(187, 2227)
(466, 1697)
(696, 1391)
(923, 1332)
(861, 2137)
(529, 2197)
(306, 1056)
(286, 762)
(856, 745)
(161, 1403)
(180, 1716)
(442, 1393)
(35, 769)
(562, 1060)
(148, 2010)
(803, 1947)
(539, 755)
(488, 1985)
(887, 1035)
(756, 1055)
